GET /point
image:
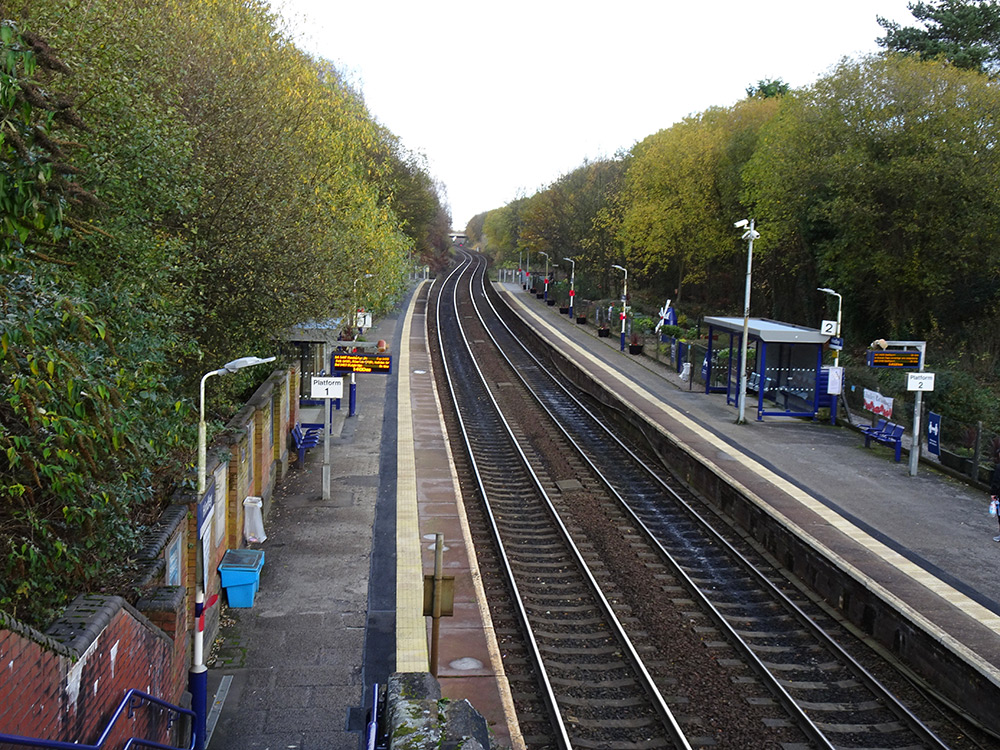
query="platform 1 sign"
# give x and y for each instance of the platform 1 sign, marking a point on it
(379, 363)
(899, 358)
(322, 387)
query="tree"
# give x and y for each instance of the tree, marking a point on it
(883, 181)
(768, 87)
(964, 32)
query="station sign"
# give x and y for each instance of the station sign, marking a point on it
(323, 387)
(836, 343)
(898, 358)
(378, 363)
(920, 381)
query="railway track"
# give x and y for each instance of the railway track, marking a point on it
(624, 592)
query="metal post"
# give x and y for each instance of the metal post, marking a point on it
(917, 403)
(741, 376)
(352, 399)
(624, 303)
(198, 676)
(436, 595)
(572, 284)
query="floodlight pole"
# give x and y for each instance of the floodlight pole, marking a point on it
(750, 235)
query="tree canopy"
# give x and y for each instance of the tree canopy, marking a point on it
(180, 183)
(964, 32)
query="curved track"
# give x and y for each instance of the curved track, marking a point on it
(547, 472)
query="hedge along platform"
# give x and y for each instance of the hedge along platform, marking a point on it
(240, 571)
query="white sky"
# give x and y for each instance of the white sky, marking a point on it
(504, 98)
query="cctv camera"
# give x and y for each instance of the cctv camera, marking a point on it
(741, 223)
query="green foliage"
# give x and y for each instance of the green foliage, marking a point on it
(964, 32)
(178, 185)
(767, 87)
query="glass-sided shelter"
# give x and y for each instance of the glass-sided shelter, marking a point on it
(785, 373)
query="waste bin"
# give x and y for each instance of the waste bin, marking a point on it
(240, 571)
(686, 372)
(253, 519)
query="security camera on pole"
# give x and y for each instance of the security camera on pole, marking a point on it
(750, 235)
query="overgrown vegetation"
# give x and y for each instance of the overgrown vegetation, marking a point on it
(881, 180)
(179, 183)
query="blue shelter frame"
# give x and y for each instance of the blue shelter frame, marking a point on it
(785, 370)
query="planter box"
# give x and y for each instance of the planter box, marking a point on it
(604, 333)
(956, 462)
(581, 319)
(564, 311)
(539, 295)
(635, 348)
(550, 302)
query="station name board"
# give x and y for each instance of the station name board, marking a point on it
(903, 358)
(380, 363)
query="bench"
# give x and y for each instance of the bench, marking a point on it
(878, 428)
(891, 435)
(305, 440)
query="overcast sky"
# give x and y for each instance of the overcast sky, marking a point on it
(504, 98)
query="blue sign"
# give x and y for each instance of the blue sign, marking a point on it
(934, 433)
(836, 343)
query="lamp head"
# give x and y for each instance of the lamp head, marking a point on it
(239, 364)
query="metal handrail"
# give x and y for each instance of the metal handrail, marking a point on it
(133, 700)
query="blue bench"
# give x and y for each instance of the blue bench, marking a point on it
(891, 435)
(304, 440)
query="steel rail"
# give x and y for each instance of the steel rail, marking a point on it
(815, 733)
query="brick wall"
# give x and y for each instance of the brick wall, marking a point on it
(65, 684)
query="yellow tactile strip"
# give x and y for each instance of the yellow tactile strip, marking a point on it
(411, 637)
(954, 597)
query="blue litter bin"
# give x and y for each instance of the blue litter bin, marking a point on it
(240, 571)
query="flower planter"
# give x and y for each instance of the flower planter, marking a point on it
(550, 302)
(539, 295)
(635, 348)
(564, 311)
(956, 462)
(581, 319)
(603, 333)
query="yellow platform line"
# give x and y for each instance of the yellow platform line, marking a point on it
(411, 632)
(915, 572)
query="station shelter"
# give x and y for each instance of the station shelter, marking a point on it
(785, 372)
(315, 343)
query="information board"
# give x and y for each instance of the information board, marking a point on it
(902, 358)
(379, 363)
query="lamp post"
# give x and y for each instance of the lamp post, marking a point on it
(520, 267)
(749, 235)
(352, 398)
(236, 364)
(624, 302)
(527, 269)
(542, 252)
(840, 307)
(572, 284)
(198, 676)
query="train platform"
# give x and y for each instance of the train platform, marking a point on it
(340, 604)
(924, 542)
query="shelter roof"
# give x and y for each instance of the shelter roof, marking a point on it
(771, 331)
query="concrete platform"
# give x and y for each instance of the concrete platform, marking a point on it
(340, 600)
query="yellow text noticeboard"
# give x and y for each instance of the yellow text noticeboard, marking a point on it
(380, 363)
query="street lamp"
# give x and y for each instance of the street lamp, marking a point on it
(352, 398)
(198, 676)
(624, 301)
(236, 364)
(750, 235)
(542, 252)
(840, 307)
(572, 284)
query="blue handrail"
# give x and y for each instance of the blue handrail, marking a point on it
(134, 699)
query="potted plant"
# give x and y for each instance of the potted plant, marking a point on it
(635, 345)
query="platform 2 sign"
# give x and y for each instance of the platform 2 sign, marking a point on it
(899, 358)
(378, 363)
